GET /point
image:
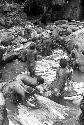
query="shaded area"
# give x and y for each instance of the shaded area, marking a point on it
(78, 76)
(12, 69)
(81, 17)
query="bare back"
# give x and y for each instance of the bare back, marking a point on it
(61, 78)
(31, 57)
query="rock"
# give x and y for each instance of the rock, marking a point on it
(2, 21)
(11, 57)
(27, 45)
(8, 22)
(77, 38)
(60, 22)
(19, 40)
(18, 49)
(6, 37)
(69, 30)
(55, 32)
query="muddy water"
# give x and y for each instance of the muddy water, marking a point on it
(78, 76)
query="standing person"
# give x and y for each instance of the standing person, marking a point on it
(3, 112)
(31, 58)
(62, 75)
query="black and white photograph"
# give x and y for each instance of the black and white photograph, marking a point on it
(41, 62)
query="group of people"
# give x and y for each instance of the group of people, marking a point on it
(19, 93)
(16, 90)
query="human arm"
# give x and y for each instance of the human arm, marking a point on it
(69, 73)
(36, 55)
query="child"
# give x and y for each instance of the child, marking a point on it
(29, 55)
(62, 75)
(31, 58)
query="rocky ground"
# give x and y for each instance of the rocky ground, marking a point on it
(53, 41)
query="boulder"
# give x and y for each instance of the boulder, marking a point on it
(60, 22)
(77, 38)
(6, 37)
(10, 57)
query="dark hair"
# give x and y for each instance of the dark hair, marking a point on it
(63, 63)
(73, 55)
(32, 46)
(76, 46)
(40, 80)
